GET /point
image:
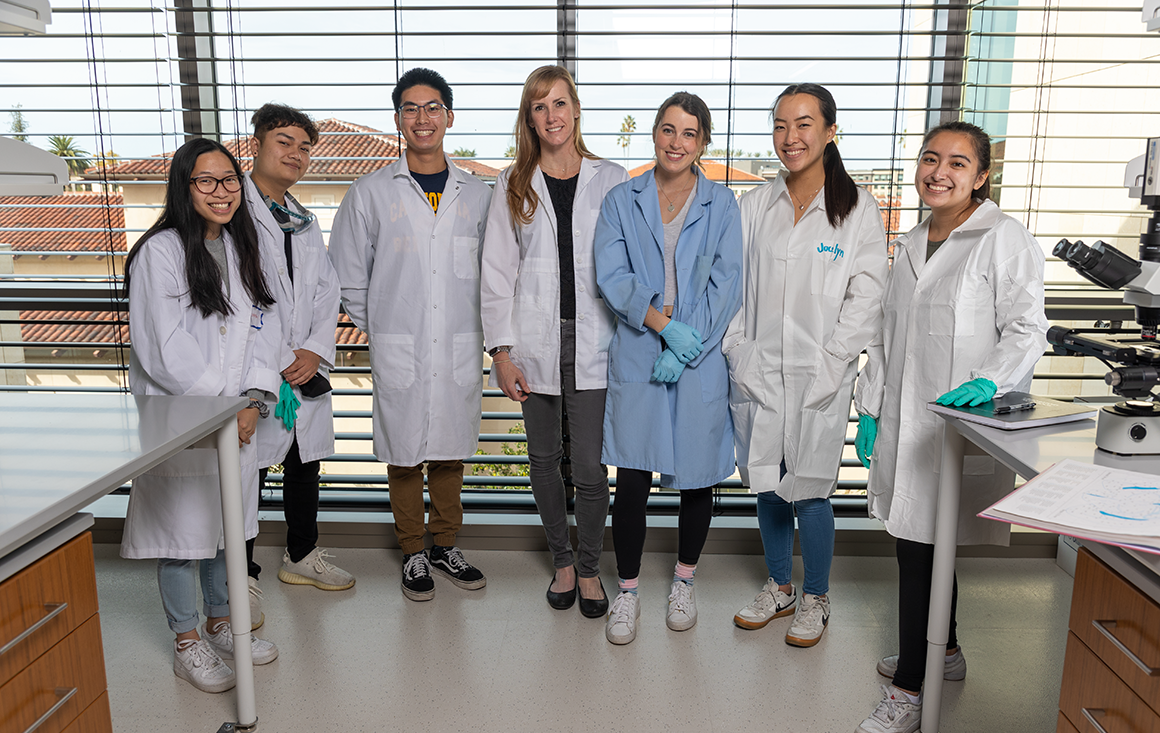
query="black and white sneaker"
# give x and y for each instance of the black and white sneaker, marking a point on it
(450, 562)
(418, 585)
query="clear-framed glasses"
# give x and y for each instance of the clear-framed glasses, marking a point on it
(411, 111)
(209, 184)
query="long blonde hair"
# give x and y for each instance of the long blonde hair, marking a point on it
(521, 198)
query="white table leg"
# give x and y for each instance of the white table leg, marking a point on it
(946, 537)
(233, 526)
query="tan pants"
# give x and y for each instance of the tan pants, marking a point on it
(444, 484)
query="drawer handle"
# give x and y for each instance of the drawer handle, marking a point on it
(54, 610)
(65, 695)
(1091, 718)
(1103, 627)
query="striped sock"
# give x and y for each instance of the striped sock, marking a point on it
(627, 586)
(684, 573)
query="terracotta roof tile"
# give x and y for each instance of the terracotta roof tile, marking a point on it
(338, 141)
(18, 212)
(714, 171)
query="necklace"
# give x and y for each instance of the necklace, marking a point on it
(679, 193)
(805, 201)
(564, 169)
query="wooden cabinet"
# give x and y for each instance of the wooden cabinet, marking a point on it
(52, 665)
(1111, 671)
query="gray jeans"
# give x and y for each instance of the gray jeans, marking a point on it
(542, 423)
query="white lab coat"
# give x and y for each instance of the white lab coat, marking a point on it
(308, 312)
(410, 280)
(812, 302)
(175, 508)
(975, 310)
(520, 283)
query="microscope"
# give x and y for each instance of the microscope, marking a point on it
(1131, 426)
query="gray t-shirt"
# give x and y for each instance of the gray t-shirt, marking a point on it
(217, 250)
(672, 233)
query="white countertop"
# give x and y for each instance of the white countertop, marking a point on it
(59, 452)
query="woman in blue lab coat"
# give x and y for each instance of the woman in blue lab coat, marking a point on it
(668, 264)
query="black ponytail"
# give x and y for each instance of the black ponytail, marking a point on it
(840, 190)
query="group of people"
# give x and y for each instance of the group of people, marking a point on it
(680, 333)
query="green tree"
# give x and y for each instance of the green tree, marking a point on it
(463, 153)
(66, 147)
(510, 152)
(625, 139)
(504, 469)
(19, 125)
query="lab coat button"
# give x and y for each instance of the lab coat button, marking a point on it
(223, 330)
(581, 288)
(581, 316)
(434, 341)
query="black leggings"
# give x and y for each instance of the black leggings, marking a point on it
(628, 521)
(915, 567)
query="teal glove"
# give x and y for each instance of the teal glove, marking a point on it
(867, 434)
(667, 367)
(288, 403)
(683, 340)
(971, 394)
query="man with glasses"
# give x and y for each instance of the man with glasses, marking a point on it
(405, 244)
(302, 431)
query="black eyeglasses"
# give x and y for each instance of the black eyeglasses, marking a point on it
(209, 184)
(411, 111)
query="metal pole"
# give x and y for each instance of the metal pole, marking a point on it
(196, 65)
(948, 66)
(566, 36)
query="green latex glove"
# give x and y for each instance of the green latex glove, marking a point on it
(288, 403)
(970, 394)
(867, 434)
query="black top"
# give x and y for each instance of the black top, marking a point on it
(432, 185)
(563, 191)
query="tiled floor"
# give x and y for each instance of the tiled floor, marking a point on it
(500, 660)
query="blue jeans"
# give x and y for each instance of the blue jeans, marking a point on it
(177, 580)
(816, 526)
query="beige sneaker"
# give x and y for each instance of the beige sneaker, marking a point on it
(257, 618)
(809, 622)
(314, 570)
(769, 604)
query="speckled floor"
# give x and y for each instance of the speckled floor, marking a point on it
(500, 660)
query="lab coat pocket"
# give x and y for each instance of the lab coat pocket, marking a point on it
(605, 324)
(820, 449)
(828, 381)
(746, 380)
(631, 354)
(392, 360)
(528, 330)
(468, 356)
(828, 278)
(466, 258)
(953, 311)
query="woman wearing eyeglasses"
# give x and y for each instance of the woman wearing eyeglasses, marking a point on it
(201, 321)
(547, 327)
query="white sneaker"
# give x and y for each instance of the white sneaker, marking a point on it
(621, 626)
(198, 664)
(222, 642)
(894, 714)
(770, 603)
(257, 618)
(314, 570)
(682, 614)
(954, 668)
(813, 613)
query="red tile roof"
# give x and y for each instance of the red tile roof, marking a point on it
(714, 171)
(330, 160)
(66, 213)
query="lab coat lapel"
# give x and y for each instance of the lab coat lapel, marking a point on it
(588, 171)
(450, 189)
(645, 188)
(687, 256)
(541, 188)
(269, 225)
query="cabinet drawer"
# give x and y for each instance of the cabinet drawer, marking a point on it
(1105, 605)
(95, 719)
(1088, 684)
(76, 662)
(64, 576)
(1062, 725)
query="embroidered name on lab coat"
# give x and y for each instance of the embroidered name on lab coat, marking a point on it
(834, 249)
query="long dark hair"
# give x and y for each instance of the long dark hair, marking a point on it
(840, 190)
(980, 140)
(201, 271)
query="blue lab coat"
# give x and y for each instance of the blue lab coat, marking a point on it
(682, 430)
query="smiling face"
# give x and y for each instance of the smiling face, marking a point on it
(677, 140)
(424, 133)
(800, 133)
(216, 208)
(554, 116)
(948, 172)
(281, 157)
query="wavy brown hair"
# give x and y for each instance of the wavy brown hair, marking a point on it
(695, 107)
(521, 199)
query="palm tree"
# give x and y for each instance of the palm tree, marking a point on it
(66, 147)
(626, 128)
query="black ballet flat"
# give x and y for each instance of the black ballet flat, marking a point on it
(562, 601)
(594, 607)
